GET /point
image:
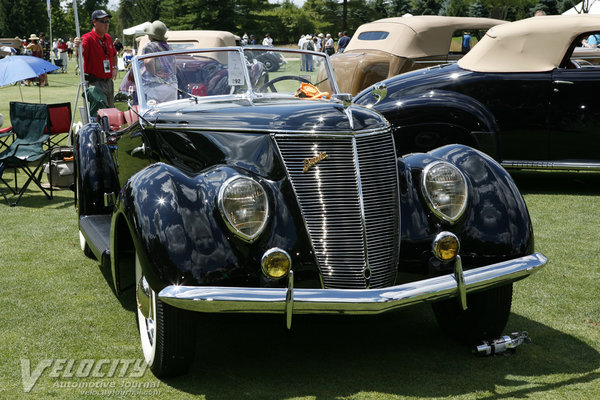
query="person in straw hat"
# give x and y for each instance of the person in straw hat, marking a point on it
(36, 50)
(158, 73)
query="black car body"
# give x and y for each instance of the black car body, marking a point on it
(527, 94)
(283, 197)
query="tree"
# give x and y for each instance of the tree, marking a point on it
(425, 7)
(23, 18)
(564, 5)
(477, 9)
(379, 8)
(548, 6)
(457, 8)
(397, 8)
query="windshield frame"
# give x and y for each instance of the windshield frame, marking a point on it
(250, 92)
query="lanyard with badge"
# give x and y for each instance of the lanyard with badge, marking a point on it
(106, 61)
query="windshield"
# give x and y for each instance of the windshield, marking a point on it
(200, 74)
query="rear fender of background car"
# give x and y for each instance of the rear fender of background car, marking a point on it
(428, 119)
(496, 217)
(175, 218)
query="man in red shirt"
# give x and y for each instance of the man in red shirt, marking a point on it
(99, 55)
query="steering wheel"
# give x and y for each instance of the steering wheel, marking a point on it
(270, 84)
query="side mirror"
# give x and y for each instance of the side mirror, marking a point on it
(379, 91)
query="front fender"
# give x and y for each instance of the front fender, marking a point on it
(181, 238)
(495, 226)
(457, 118)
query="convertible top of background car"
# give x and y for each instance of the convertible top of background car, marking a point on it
(391, 46)
(415, 36)
(531, 45)
(194, 39)
(527, 94)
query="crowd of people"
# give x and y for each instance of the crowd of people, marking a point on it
(324, 43)
(314, 42)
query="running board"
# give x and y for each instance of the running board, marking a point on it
(552, 165)
(96, 230)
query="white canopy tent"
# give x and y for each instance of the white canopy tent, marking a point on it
(135, 29)
(592, 7)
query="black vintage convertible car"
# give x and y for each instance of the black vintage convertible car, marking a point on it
(233, 189)
(527, 95)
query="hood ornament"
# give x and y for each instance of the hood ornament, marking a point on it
(311, 162)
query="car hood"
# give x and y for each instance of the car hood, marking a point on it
(266, 114)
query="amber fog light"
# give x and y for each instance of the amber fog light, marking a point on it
(446, 246)
(276, 263)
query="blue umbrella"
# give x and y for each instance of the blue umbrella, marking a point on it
(8, 49)
(18, 68)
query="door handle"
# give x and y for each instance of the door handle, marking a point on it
(561, 83)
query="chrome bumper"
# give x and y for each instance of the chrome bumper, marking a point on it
(340, 301)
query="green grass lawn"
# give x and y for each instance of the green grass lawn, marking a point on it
(58, 305)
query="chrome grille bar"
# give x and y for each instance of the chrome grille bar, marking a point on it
(349, 202)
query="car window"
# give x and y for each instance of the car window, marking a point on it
(586, 52)
(373, 35)
(464, 40)
(183, 45)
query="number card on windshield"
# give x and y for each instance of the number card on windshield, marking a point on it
(235, 69)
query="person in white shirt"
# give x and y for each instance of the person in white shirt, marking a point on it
(329, 49)
(268, 40)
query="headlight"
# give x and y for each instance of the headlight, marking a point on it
(445, 189)
(244, 206)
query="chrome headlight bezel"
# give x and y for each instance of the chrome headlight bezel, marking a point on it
(225, 213)
(433, 204)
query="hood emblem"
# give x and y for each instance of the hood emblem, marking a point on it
(311, 162)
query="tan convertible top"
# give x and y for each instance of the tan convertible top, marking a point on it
(203, 39)
(417, 36)
(531, 45)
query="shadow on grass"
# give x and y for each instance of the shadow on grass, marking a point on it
(548, 182)
(402, 353)
(62, 198)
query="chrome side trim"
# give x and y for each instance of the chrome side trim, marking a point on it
(350, 301)
(552, 165)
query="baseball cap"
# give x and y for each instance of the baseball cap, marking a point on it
(100, 14)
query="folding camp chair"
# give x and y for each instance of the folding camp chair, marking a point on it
(26, 151)
(5, 136)
(96, 99)
(59, 122)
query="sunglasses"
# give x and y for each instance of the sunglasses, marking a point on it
(105, 21)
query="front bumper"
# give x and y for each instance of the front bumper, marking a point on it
(349, 301)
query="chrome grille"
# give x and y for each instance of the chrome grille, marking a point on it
(349, 202)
